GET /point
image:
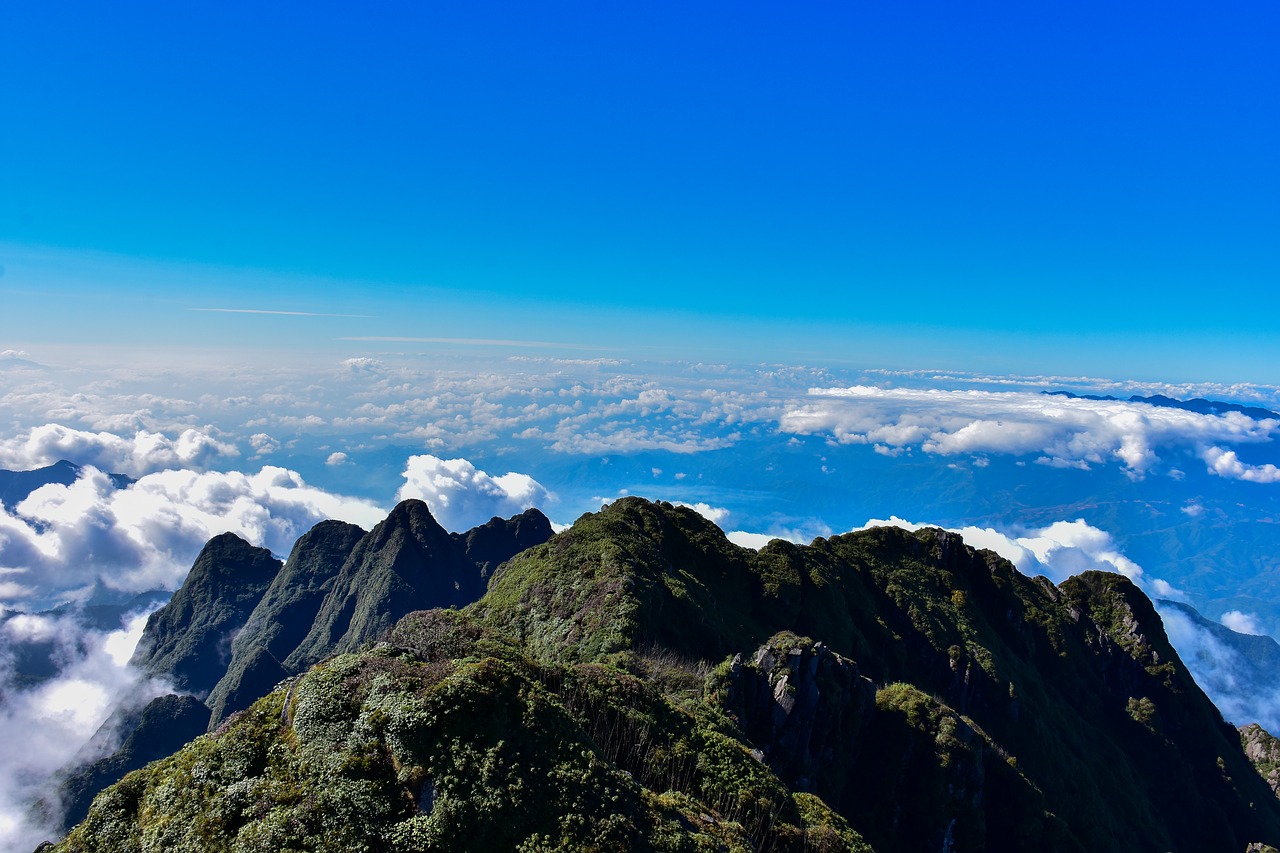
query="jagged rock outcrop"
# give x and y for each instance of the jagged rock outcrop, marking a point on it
(1263, 750)
(284, 616)
(408, 562)
(188, 641)
(499, 539)
(804, 707)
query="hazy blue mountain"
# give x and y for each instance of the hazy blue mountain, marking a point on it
(32, 661)
(1198, 404)
(15, 486)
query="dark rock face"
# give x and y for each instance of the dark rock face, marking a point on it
(188, 641)
(163, 726)
(408, 562)
(804, 707)
(499, 539)
(284, 616)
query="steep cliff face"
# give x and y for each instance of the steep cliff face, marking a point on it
(499, 539)
(406, 563)
(639, 682)
(162, 727)
(188, 641)
(1263, 751)
(284, 616)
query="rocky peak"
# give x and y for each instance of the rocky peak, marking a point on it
(499, 539)
(189, 639)
(803, 706)
(1263, 751)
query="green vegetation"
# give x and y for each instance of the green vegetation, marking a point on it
(640, 683)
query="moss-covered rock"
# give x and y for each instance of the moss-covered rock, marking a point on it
(639, 682)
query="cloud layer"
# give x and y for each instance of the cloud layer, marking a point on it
(1056, 431)
(45, 726)
(142, 453)
(65, 538)
(461, 496)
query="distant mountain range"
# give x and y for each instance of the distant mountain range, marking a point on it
(15, 486)
(1199, 404)
(638, 682)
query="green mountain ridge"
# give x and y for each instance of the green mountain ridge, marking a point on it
(639, 682)
(242, 621)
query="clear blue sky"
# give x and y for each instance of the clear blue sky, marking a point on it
(1050, 185)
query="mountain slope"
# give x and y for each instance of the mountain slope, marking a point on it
(283, 617)
(242, 623)
(639, 682)
(406, 563)
(188, 641)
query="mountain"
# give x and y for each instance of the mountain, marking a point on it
(1198, 405)
(242, 622)
(500, 539)
(15, 486)
(188, 641)
(638, 682)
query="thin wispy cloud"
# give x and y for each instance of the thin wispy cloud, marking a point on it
(475, 342)
(279, 313)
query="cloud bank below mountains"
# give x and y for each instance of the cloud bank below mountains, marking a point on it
(143, 453)
(1057, 431)
(45, 726)
(61, 539)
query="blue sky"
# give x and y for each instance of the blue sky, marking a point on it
(1064, 187)
(800, 266)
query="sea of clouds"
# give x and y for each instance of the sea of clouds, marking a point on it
(209, 452)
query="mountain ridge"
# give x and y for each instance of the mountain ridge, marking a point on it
(884, 689)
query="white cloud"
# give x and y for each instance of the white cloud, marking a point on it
(713, 514)
(144, 453)
(336, 458)
(45, 726)
(1242, 623)
(263, 444)
(1059, 431)
(64, 538)
(1222, 674)
(1225, 463)
(462, 496)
